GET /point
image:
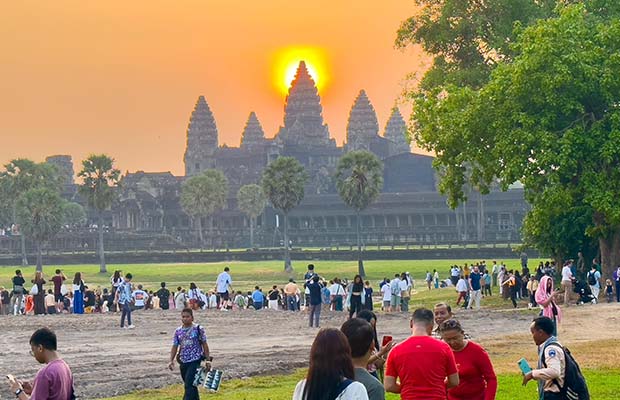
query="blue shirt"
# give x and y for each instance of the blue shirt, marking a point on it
(475, 280)
(125, 293)
(257, 296)
(315, 293)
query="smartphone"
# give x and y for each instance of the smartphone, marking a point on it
(524, 366)
(386, 340)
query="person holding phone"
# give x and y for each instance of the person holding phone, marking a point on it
(379, 355)
(54, 381)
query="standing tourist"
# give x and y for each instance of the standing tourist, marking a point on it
(532, 286)
(5, 301)
(386, 289)
(115, 281)
(367, 296)
(494, 272)
(545, 297)
(594, 281)
(189, 348)
(180, 299)
(511, 284)
(331, 373)
(54, 381)
(18, 292)
(58, 280)
(501, 275)
(78, 294)
(567, 282)
(140, 298)
(163, 294)
(486, 280)
(337, 293)
(395, 299)
(360, 336)
(39, 297)
(475, 278)
(436, 278)
(429, 280)
(616, 277)
(462, 288)
(425, 366)
(356, 292)
(315, 301)
(291, 290)
(124, 299)
(477, 380)
(195, 297)
(455, 273)
(405, 292)
(377, 358)
(223, 285)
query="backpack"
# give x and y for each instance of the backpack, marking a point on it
(592, 278)
(575, 386)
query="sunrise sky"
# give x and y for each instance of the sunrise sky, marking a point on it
(122, 77)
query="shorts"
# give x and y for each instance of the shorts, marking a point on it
(223, 295)
(386, 303)
(58, 298)
(395, 301)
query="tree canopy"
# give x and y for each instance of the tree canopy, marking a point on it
(283, 183)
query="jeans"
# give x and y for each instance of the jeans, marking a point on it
(404, 304)
(487, 290)
(315, 314)
(16, 303)
(291, 302)
(188, 371)
(126, 312)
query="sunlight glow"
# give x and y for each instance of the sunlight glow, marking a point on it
(287, 60)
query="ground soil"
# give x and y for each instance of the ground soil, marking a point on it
(108, 361)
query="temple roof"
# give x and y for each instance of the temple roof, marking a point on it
(253, 133)
(362, 125)
(396, 132)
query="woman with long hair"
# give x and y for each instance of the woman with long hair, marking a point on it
(78, 294)
(545, 298)
(356, 293)
(330, 374)
(477, 379)
(39, 298)
(116, 280)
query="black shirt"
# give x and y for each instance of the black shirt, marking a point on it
(273, 295)
(18, 281)
(163, 294)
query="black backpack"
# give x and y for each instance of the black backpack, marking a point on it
(591, 278)
(575, 386)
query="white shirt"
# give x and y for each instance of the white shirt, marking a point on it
(223, 281)
(455, 272)
(566, 273)
(404, 286)
(355, 391)
(461, 285)
(387, 292)
(336, 290)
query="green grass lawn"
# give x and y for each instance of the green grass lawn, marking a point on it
(602, 384)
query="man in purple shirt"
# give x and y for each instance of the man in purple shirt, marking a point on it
(54, 381)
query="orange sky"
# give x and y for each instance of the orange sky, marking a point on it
(122, 77)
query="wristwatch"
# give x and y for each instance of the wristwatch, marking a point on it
(18, 392)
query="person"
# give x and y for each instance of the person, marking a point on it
(377, 358)
(257, 298)
(54, 381)
(477, 379)
(180, 298)
(455, 273)
(240, 301)
(567, 282)
(405, 292)
(494, 272)
(274, 295)
(511, 283)
(124, 299)
(139, 298)
(360, 336)
(307, 279)
(164, 297)
(5, 301)
(609, 291)
(291, 291)
(442, 312)
(486, 279)
(356, 291)
(436, 278)
(475, 278)
(616, 278)
(39, 297)
(189, 348)
(315, 301)
(337, 293)
(331, 373)
(386, 289)
(395, 299)
(58, 280)
(17, 300)
(594, 281)
(428, 279)
(115, 281)
(367, 296)
(425, 366)
(195, 297)
(78, 294)
(223, 285)
(90, 300)
(462, 288)
(532, 286)
(50, 302)
(545, 298)
(551, 360)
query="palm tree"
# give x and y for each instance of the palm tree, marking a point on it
(100, 181)
(202, 195)
(251, 201)
(283, 183)
(359, 180)
(40, 212)
(21, 175)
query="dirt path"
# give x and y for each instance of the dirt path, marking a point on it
(107, 361)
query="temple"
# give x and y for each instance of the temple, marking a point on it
(410, 210)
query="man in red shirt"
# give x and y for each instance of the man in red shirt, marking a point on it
(421, 363)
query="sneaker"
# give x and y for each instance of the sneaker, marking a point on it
(123, 327)
(131, 327)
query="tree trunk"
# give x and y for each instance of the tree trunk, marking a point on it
(200, 237)
(480, 218)
(360, 262)
(102, 268)
(287, 256)
(610, 253)
(251, 232)
(39, 258)
(23, 244)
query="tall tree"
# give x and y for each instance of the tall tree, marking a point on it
(283, 183)
(202, 195)
(359, 180)
(251, 201)
(74, 214)
(19, 176)
(99, 188)
(40, 212)
(548, 118)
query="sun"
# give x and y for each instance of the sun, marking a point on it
(287, 60)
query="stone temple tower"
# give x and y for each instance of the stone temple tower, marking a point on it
(253, 136)
(396, 133)
(202, 141)
(303, 118)
(362, 127)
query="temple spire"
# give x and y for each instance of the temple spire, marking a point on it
(396, 133)
(253, 134)
(362, 126)
(202, 139)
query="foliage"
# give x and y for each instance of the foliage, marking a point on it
(251, 200)
(283, 183)
(21, 175)
(359, 179)
(40, 213)
(100, 180)
(73, 214)
(204, 194)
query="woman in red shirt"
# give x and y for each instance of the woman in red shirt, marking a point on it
(476, 375)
